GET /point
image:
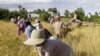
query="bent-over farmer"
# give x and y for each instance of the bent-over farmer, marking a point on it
(48, 47)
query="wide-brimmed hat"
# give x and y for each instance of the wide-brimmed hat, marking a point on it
(36, 21)
(37, 37)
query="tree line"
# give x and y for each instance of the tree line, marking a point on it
(6, 14)
(45, 14)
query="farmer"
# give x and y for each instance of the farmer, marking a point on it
(38, 24)
(89, 17)
(48, 47)
(58, 25)
(20, 24)
(28, 28)
(23, 26)
(75, 19)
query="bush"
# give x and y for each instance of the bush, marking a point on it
(23, 14)
(44, 16)
(13, 14)
(80, 13)
(3, 13)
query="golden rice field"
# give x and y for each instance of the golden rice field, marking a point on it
(85, 41)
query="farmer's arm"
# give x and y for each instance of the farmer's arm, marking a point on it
(48, 54)
(63, 25)
(40, 52)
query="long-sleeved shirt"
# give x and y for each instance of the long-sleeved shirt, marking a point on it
(28, 31)
(57, 26)
(38, 26)
(55, 48)
(20, 25)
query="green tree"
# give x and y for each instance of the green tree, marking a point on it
(3, 13)
(38, 11)
(66, 13)
(43, 11)
(50, 9)
(22, 11)
(80, 13)
(53, 10)
(96, 15)
(20, 7)
(13, 14)
(43, 14)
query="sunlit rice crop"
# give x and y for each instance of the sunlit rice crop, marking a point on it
(85, 41)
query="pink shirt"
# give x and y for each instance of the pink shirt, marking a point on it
(57, 26)
(20, 25)
(55, 48)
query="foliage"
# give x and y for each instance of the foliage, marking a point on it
(54, 10)
(22, 12)
(43, 15)
(13, 14)
(66, 13)
(96, 15)
(72, 15)
(3, 13)
(38, 11)
(80, 13)
(6, 14)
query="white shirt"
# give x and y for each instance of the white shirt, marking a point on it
(38, 26)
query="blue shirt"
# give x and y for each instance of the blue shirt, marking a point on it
(28, 31)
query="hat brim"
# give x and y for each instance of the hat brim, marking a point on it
(34, 42)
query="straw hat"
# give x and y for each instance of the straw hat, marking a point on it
(36, 20)
(37, 37)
